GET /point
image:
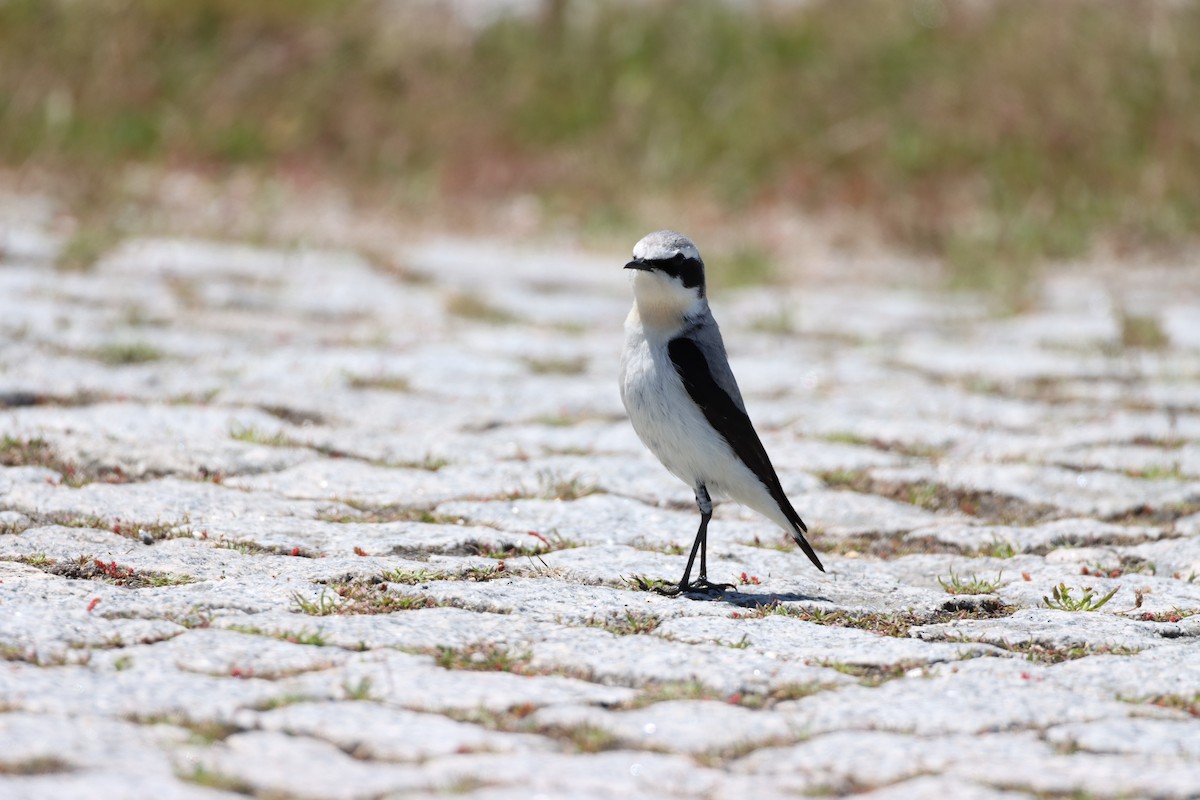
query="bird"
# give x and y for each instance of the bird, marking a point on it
(684, 403)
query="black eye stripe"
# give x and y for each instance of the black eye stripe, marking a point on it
(689, 270)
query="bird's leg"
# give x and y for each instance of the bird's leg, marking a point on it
(702, 584)
(705, 504)
(684, 586)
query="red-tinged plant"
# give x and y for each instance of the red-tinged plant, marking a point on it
(92, 605)
(111, 570)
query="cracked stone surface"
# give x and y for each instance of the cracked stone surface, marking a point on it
(285, 523)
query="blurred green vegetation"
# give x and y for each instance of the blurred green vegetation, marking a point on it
(995, 135)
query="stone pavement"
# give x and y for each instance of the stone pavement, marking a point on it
(294, 524)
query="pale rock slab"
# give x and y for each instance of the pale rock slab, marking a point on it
(687, 726)
(372, 732)
(853, 761)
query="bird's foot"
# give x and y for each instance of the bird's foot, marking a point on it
(705, 585)
(701, 586)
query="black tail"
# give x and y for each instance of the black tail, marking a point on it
(799, 530)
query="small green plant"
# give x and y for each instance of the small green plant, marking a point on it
(1159, 472)
(548, 542)
(557, 366)
(923, 495)
(1144, 332)
(895, 623)
(360, 598)
(998, 548)
(125, 353)
(389, 383)
(590, 739)
(482, 658)
(975, 585)
(633, 622)
(303, 636)
(473, 307)
(359, 690)
(253, 435)
(666, 691)
(203, 776)
(1060, 598)
(875, 674)
(1040, 653)
(38, 765)
(644, 584)
(324, 605)
(410, 577)
(428, 462)
(1189, 705)
(365, 512)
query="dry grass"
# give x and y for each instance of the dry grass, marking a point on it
(996, 135)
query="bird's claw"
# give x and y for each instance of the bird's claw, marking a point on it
(703, 585)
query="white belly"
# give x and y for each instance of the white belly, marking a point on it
(676, 431)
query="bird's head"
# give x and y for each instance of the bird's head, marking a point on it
(668, 278)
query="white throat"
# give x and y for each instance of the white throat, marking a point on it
(663, 305)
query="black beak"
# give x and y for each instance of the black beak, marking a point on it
(638, 263)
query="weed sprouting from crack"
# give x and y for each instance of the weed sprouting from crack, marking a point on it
(975, 585)
(547, 543)
(38, 765)
(642, 583)
(358, 690)
(666, 691)
(1061, 599)
(473, 307)
(371, 514)
(14, 527)
(388, 383)
(37, 452)
(583, 738)
(938, 497)
(252, 435)
(896, 624)
(211, 779)
(314, 638)
(1040, 653)
(1178, 702)
(360, 598)
(557, 366)
(89, 568)
(117, 354)
(428, 463)
(39, 560)
(410, 577)
(998, 548)
(629, 623)
(1174, 615)
(483, 658)
(876, 674)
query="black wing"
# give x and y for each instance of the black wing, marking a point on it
(734, 426)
